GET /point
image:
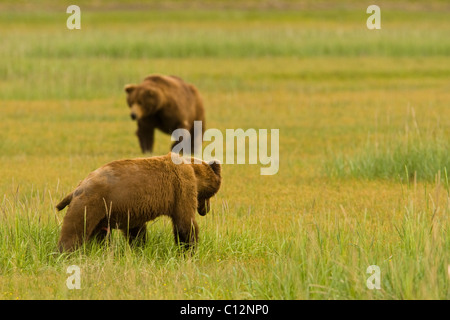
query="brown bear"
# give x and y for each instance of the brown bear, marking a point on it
(126, 194)
(166, 103)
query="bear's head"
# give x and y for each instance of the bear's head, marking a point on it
(144, 99)
(209, 178)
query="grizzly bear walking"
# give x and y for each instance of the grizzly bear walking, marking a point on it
(166, 103)
(126, 194)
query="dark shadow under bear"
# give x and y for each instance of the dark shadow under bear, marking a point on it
(126, 194)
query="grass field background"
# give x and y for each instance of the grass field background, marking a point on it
(364, 120)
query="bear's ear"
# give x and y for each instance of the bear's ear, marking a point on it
(216, 167)
(129, 88)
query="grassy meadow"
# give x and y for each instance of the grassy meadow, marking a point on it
(364, 123)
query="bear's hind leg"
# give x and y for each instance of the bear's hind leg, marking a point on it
(197, 140)
(78, 225)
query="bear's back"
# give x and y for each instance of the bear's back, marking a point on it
(150, 185)
(169, 81)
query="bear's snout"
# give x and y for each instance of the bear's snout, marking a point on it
(133, 116)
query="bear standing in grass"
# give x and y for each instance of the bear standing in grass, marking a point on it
(125, 194)
(166, 103)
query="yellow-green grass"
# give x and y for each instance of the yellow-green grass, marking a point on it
(304, 233)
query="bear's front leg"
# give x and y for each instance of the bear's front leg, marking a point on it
(136, 236)
(146, 134)
(185, 230)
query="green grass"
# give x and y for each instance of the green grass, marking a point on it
(358, 182)
(70, 64)
(409, 155)
(317, 255)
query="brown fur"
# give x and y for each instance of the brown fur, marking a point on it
(165, 103)
(126, 194)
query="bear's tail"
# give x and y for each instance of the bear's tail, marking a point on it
(64, 202)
